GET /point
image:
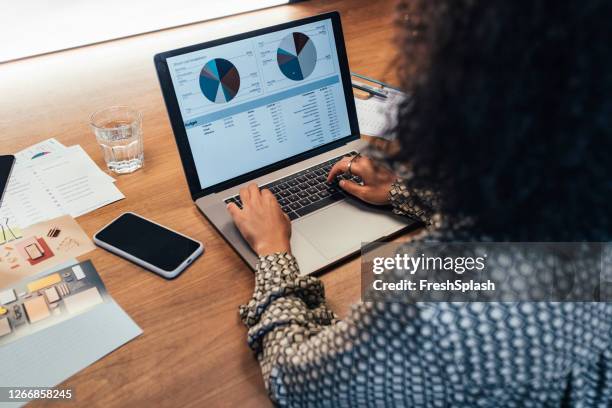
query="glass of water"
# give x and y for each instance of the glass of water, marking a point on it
(118, 130)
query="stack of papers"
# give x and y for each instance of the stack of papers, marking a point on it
(50, 180)
(61, 320)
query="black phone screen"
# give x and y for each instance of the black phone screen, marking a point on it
(147, 241)
(6, 164)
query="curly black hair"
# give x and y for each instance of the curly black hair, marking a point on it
(510, 114)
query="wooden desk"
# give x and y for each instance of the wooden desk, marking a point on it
(193, 351)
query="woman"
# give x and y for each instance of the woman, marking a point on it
(507, 136)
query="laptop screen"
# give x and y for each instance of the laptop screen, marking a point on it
(259, 100)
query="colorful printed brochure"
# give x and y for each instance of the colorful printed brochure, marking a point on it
(56, 323)
(40, 247)
(38, 302)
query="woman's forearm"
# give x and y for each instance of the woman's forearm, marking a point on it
(285, 309)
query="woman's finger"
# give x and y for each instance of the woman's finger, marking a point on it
(338, 168)
(234, 211)
(267, 195)
(353, 188)
(245, 195)
(254, 193)
(358, 166)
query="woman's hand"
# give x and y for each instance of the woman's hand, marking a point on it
(261, 221)
(377, 180)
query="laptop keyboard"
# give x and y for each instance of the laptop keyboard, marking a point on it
(306, 191)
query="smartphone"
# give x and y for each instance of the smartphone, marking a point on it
(6, 165)
(148, 244)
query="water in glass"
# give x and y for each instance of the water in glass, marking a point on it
(119, 132)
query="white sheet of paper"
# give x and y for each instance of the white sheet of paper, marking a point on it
(47, 358)
(75, 182)
(377, 115)
(66, 181)
(93, 167)
(27, 201)
(49, 146)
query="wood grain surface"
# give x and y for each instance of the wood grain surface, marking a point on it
(193, 351)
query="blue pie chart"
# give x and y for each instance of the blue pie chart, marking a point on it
(296, 56)
(219, 80)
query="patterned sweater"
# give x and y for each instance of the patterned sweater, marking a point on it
(425, 354)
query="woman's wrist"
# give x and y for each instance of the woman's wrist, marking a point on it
(264, 248)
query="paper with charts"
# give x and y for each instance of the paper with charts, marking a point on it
(50, 180)
(40, 247)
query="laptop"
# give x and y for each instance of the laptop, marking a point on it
(274, 107)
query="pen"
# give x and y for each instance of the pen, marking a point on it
(370, 90)
(375, 81)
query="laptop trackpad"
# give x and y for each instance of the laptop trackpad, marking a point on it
(341, 228)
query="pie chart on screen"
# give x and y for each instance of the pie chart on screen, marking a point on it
(296, 56)
(219, 80)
